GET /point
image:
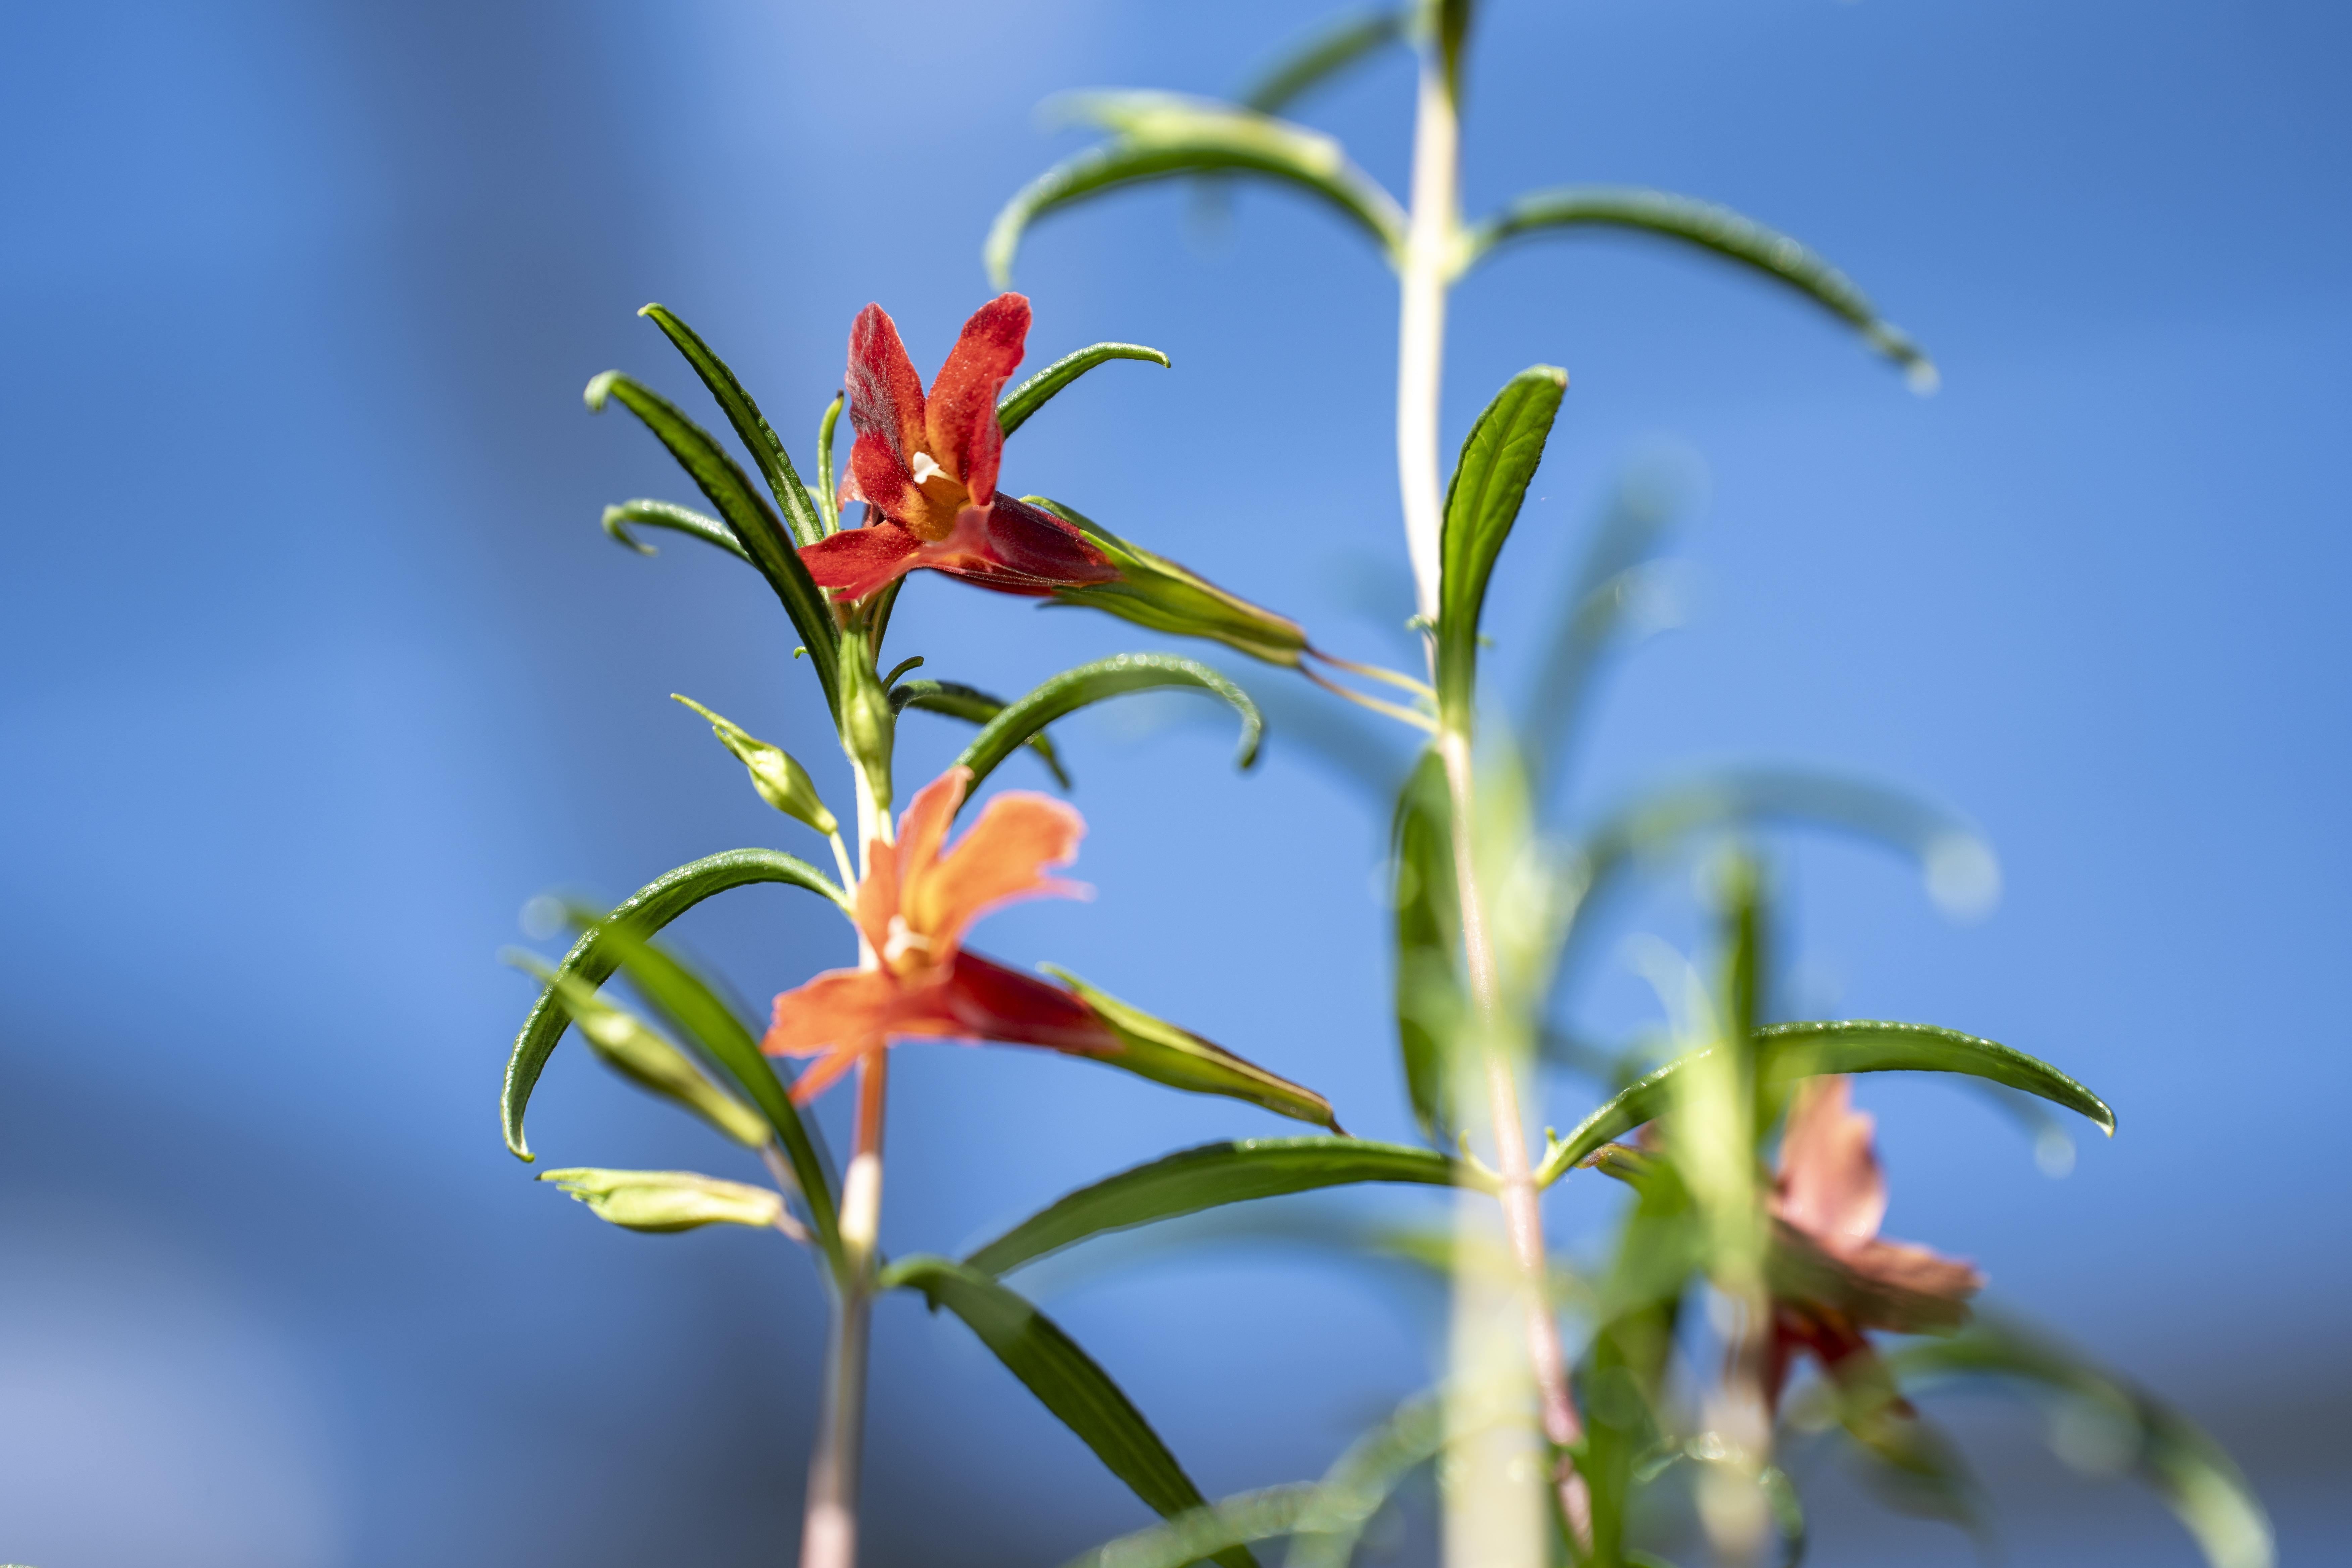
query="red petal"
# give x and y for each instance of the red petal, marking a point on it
(856, 561)
(1831, 1185)
(885, 396)
(962, 415)
(877, 476)
(1014, 548)
(991, 1002)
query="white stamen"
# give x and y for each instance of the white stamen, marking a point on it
(903, 941)
(924, 469)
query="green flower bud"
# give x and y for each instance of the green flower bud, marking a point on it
(1154, 1048)
(667, 1200)
(1153, 591)
(868, 723)
(627, 1045)
(781, 782)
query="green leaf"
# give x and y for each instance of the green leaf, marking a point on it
(1156, 1049)
(1160, 136)
(1481, 502)
(1325, 55)
(973, 706)
(748, 517)
(1785, 1052)
(596, 956)
(667, 1200)
(751, 427)
(670, 515)
(1064, 1379)
(684, 1000)
(828, 495)
(1431, 1004)
(1018, 404)
(1065, 693)
(1713, 229)
(2099, 1421)
(1213, 1531)
(1207, 1177)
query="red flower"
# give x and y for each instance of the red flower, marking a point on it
(926, 468)
(913, 904)
(1836, 1276)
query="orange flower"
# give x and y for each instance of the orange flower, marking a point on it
(913, 906)
(1837, 1276)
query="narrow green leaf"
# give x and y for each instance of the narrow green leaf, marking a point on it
(594, 957)
(1064, 1379)
(1065, 693)
(827, 492)
(1785, 1052)
(1431, 1005)
(1323, 57)
(667, 1200)
(1211, 1176)
(1481, 502)
(1713, 229)
(2098, 1420)
(670, 515)
(751, 427)
(1213, 1531)
(1018, 404)
(973, 706)
(1157, 1050)
(1160, 136)
(748, 517)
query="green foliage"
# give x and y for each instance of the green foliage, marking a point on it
(667, 1200)
(1118, 676)
(627, 1045)
(1064, 1379)
(1154, 1048)
(1332, 50)
(676, 519)
(973, 706)
(1155, 592)
(793, 499)
(1014, 409)
(1490, 482)
(1432, 1007)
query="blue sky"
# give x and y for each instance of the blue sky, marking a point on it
(323, 669)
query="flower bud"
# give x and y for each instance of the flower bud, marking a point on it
(1153, 591)
(868, 724)
(624, 1043)
(781, 782)
(667, 1200)
(1154, 1048)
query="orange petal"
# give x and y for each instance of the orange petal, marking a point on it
(1831, 1185)
(1003, 856)
(842, 1007)
(824, 1072)
(924, 825)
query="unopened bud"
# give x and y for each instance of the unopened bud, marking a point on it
(781, 782)
(868, 724)
(667, 1200)
(627, 1045)
(1153, 591)
(1157, 1050)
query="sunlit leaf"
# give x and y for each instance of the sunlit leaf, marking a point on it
(826, 489)
(1065, 693)
(1323, 57)
(1213, 1530)
(1431, 1005)
(1160, 136)
(1156, 1049)
(1064, 1379)
(670, 515)
(973, 706)
(764, 541)
(667, 1200)
(2100, 1423)
(1716, 229)
(1207, 1177)
(1015, 408)
(1490, 481)
(751, 427)
(1788, 1051)
(594, 957)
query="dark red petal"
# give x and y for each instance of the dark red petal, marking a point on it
(961, 414)
(856, 561)
(876, 477)
(1035, 544)
(885, 396)
(991, 1002)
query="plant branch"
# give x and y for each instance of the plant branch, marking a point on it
(829, 1529)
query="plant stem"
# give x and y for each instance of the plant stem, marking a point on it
(829, 1529)
(1426, 272)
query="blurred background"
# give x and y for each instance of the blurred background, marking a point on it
(320, 667)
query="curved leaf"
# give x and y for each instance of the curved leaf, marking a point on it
(1329, 52)
(751, 427)
(1204, 1533)
(1481, 502)
(1161, 136)
(2099, 1417)
(1064, 1379)
(1034, 394)
(1713, 229)
(1788, 1052)
(748, 517)
(596, 956)
(1431, 1004)
(973, 706)
(670, 515)
(1213, 1175)
(828, 488)
(1072, 690)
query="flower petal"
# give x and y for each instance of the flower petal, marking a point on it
(990, 1001)
(856, 561)
(839, 1008)
(885, 396)
(876, 477)
(825, 1070)
(1002, 857)
(960, 417)
(1831, 1185)
(923, 827)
